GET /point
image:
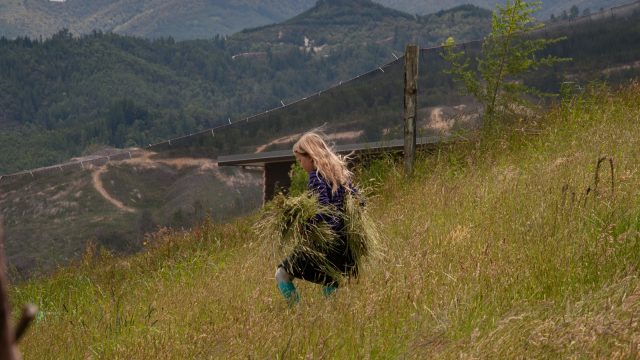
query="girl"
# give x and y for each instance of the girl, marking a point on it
(330, 180)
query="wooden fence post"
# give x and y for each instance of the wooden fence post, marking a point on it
(410, 106)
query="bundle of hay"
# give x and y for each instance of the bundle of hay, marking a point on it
(363, 237)
(290, 224)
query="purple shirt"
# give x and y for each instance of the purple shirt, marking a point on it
(320, 186)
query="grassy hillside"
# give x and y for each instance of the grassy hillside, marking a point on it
(513, 244)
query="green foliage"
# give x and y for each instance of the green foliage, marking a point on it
(376, 171)
(299, 179)
(508, 52)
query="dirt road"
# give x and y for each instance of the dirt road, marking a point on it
(96, 180)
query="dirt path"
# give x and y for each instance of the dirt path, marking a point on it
(145, 161)
(97, 183)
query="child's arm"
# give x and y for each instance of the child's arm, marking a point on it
(322, 189)
(317, 186)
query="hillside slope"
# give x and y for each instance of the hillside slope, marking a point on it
(363, 22)
(51, 217)
(192, 19)
(422, 7)
(521, 243)
(198, 19)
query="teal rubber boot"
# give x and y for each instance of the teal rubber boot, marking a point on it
(327, 291)
(288, 290)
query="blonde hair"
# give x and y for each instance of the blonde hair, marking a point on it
(331, 166)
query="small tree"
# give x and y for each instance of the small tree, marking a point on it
(507, 52)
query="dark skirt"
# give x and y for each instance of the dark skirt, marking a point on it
(302, 266)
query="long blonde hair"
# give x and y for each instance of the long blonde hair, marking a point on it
(331, 166)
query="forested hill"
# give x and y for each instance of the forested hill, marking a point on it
(557, 8)
(195, 19)
(333, 22)
(66, 95)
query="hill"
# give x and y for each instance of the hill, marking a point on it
(361, 22)
(66, 97)
(191, 19)
(512, 244)
(196, 19)
(422, 7)
(51, 217)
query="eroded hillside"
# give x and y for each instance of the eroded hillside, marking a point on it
(52, 216)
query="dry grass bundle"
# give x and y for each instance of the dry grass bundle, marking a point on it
(289, 223)
(363, 235)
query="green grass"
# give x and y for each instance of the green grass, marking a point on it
(494, 249)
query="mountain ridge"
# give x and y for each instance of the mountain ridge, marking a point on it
(198, 19)
(144, 18)
(334, 23)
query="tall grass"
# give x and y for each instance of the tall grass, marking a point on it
(499, 247)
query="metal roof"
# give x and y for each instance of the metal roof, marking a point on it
(260, 159)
